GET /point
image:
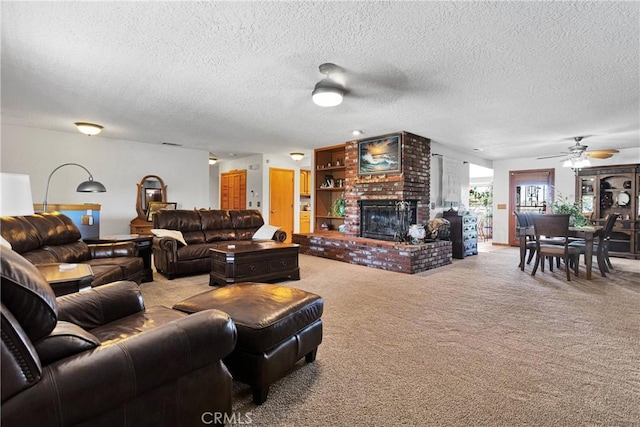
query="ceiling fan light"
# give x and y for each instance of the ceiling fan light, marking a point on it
(327, 96)
(88, 129)
(567, 164)
(581, 163)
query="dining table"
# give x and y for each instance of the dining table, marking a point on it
(589, 234)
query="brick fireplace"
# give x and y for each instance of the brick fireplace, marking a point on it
(383, 191)
(411, 184)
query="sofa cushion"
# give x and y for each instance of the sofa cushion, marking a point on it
(103, 274)
(76, 251)
(196, 251)
(54, 228)
(186, 221)
(128, 266)
(246, 218)
(27, 294)
(40, 256)
(20, 233)
(246, 222)
(217, 225)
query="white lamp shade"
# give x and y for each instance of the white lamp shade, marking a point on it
(15, 196)
(88, 128)
(327, 96)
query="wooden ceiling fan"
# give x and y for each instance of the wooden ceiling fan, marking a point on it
(579, 151)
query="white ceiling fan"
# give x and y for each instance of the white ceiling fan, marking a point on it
(578, 156)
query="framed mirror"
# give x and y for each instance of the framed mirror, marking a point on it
(150, 189)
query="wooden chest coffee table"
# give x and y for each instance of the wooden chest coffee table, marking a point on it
(254, 262)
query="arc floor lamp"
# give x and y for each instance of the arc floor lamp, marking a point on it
(89, 186)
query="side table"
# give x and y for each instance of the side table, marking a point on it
(76, 278)
(143, 243)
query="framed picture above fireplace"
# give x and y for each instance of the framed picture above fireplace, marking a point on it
(380, 155)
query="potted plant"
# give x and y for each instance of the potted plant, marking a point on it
(564, 205)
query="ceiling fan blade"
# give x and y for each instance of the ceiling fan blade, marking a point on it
(599, 155)
(551, 157)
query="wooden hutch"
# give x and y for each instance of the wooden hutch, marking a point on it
(613, 189)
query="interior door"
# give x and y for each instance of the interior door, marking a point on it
(529, 191)
(233, 189)
(281, 199)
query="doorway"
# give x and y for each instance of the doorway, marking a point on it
(529, 191)
(281, 199)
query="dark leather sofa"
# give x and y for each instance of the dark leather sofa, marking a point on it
(98, 358)
(202, 230)
(51, 237)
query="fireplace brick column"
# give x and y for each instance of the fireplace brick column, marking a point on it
(411, 184)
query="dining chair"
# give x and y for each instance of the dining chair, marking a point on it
(601, 247)
(524, 222)
(556, 227)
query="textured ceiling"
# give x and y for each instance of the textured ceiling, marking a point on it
(518, 79)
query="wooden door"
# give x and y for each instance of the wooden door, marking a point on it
(528, 179)
(233, 189)
(281, 199)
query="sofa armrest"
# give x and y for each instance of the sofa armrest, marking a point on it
(165, 254)
(112, 250)
(97, 381)
(100, 305)
(166, 244)
(280, 235)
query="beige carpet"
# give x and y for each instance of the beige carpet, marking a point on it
(475, 343)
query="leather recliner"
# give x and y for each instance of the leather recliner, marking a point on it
(98, 358)
(51, 237)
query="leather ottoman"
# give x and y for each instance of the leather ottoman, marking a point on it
(276, 325)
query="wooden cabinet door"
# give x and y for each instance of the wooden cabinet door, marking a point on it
(305, 183)
(233, 190)
(305, 222)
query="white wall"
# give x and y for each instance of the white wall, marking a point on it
(214, 186)
(118, 164)
(258, 180)
(463, 159)
(564, 183)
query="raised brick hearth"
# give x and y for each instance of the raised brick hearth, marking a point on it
(380, 254)
(411, 184)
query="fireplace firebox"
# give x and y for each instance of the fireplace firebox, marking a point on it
(381, 219)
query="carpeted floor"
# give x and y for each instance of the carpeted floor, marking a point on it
(475, 343)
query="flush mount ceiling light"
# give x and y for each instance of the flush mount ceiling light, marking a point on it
(296, 156)
(356, 132)
(213, 160)
(88, 129)
(328, 92)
